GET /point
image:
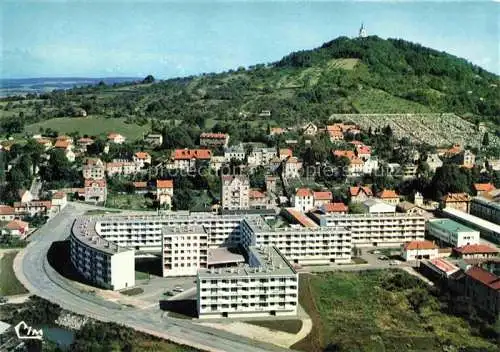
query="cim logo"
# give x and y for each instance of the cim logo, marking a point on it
(26, 332)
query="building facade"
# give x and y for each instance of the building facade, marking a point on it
(452, 232)
(235, 192)
(267, 286)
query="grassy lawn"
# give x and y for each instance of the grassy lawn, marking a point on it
(92, 126)
(291, 326)
(9, 285)
(378, 101)
(128, 201)
(360, 312)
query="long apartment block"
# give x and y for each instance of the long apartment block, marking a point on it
(266, 286)
(377, 229)
(301, 245)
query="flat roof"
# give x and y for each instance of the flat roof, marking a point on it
(84, 230)
(265, 261)
(486, 225)
(451, 225)
(489, 202)
(223, 255)
(443, 266)
(259, 225)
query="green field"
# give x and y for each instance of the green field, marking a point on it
(9, 285)
(363, 312)
(375, 101)
(92, 126)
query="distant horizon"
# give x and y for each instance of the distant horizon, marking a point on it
(74, 39)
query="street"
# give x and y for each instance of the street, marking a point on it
(31, 269)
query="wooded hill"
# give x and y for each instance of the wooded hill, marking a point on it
(360, 75)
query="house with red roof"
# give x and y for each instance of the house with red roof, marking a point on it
(334, 208)
(7, 213)
(460, 201)
(389, 196)
(416, 250)
(360, 194)
(95, 190)
(116, 138)
(165, 192)
(292, 167)
(140, 159)
(185, 159)
(349, 154)
(364, 152)
(483, 289)
(476, 251)
(258, 199)
(303, 199)
(16, 228)
(483, 188)
(140, 187)
(208, 139)
(322, 197)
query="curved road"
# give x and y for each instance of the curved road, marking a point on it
(32, 269)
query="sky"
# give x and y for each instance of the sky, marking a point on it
(174, 38)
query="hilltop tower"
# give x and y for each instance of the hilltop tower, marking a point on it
(362, 31)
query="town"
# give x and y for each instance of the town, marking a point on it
(344, 198)
(264, 212)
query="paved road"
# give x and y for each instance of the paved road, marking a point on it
(31, 269)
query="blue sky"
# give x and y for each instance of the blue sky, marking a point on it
(176, 38)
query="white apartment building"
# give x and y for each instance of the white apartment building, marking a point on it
(303, 200)
(144, 232)
(184, 250)
(235, 192)
(452, 232)
(100, 261)
(267, 286)
(377, 229)
(301, 245)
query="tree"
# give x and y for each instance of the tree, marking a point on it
(486, 139)
(448, 179)
(148, 79)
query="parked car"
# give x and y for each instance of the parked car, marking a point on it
(169, 293)
(178, 289)
(383, 257)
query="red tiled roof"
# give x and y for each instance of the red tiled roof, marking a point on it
(354, 191)
(387, 194)
(90, 182)
(444, 265)
(456, 197)
(43, 141)
(17, 225)
(344, 153)
(335, 207)
(324, 195)
(6, 210)
(142, 155)
(84, 140)
(363, 149)
(185, 154)
(476, 249)
(62, 144)
(303, 192)
(415, 245)
(114, 164)
(334, 133)
(164, 184)
(113, 135)
(484, 187)
(485, 277)
(254, 193)
(140, 184)
(213, 135)
(286, 152)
